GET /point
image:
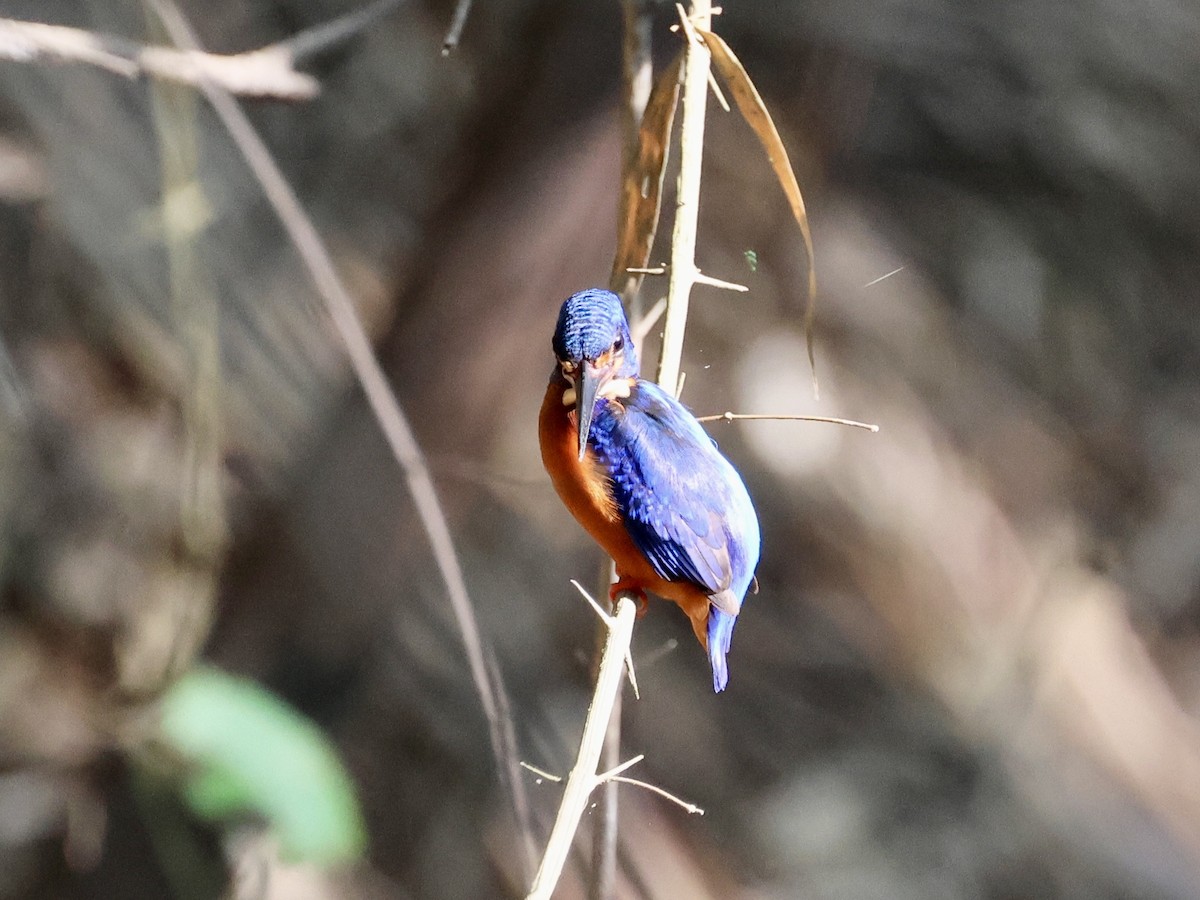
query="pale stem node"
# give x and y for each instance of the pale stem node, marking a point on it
(608, 623)
(615, 775)
(612, 773)
(701, 278)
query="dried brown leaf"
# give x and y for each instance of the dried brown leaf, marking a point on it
(754, 111)
(641, 189)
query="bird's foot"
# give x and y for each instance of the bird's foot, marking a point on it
(628, 587)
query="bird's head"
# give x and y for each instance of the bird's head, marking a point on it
(595, 353)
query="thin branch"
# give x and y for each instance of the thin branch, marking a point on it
(383, 403)
(604, 617)
(701, 278)
(717, 92)
(457, 24)
(582, 780)
(687, 199)
(882, 277)
(617, 770)
(690, 807)
(267, 72)
(607, 621)
(541, 773)
(831, 420)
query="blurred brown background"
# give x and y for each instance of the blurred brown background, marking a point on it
(974, 664)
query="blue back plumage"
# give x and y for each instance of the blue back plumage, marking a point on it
(683, 504)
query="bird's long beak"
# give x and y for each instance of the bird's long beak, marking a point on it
(587, 387)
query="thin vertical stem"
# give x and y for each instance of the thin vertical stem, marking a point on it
(384, 404)
(195, 319)
(687, 199)
(582, 780)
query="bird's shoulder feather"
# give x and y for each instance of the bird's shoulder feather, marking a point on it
(682, 502)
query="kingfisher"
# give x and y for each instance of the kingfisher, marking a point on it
(644, 479)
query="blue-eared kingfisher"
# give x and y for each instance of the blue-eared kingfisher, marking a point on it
(644, 478)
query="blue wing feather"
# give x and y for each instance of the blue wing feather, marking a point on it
(683, 504)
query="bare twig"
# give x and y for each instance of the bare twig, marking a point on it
(717, 92)
(604, 616)
(457, 24)
(730, 417)
(541, 773)
(616, 770)
(606, 621)
(267, 72)
(687, 199)
(692, 808)
(882, 277)
(383, 403)
(700, 278)
(583, 779)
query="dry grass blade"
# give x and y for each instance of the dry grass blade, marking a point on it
(641, 189)
(754, 111)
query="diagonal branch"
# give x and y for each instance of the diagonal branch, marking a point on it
(383, 403)
(266, 72)
(583, 779)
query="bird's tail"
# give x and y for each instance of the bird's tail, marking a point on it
(720, 633)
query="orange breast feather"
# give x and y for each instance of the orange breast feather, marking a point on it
(585, 491)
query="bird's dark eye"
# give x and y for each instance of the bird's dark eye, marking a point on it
(618, 345)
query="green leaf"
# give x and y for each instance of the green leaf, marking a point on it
(251, 752)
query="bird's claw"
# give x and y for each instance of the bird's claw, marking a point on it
(625, 587)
